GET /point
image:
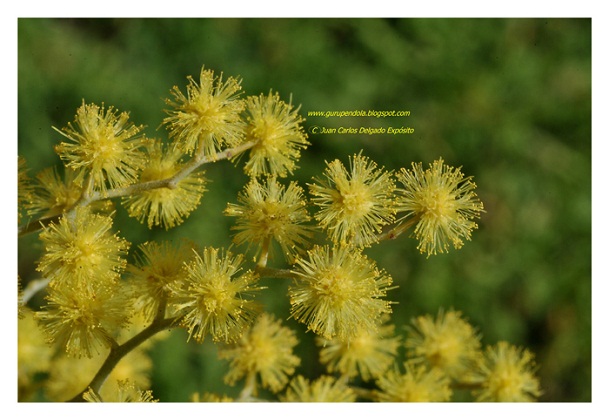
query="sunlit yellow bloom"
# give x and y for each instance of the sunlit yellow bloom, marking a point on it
(418, 384)
(81, 319)
(265, 350)
(323, 389)
(103, 145)
(448, 343)
(270, 211)
(506, 374)
(212, 299)
(339, 292)
(276, 128)
(167, 206)
(208, 118)
(442, 202)
(355, 204)
(157, 267)
(82, 250)
(367, 354)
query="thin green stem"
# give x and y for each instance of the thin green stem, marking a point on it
(466, 385)
(276, 273)
(172, 181)
(32, 288)
(264, 253)
(396, 231)
(85, 197)
(249, 390)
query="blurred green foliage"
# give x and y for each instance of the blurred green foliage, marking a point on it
(507, 99)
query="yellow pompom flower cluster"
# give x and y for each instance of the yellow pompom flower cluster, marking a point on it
(448, 343)
(82, 319)
(208, 117)
(442, 202)
(167, 206)
(339, 292)
(83, 260)
(82, 250)
(450, 346)
(276, 129)
(506, 374)
(264, 351)
(367, 354)
(212, 299)
(54, 195)
(157, 268)
(416, 384)
(336, 291)
(270, 211)
(104, 146)
(354, 204)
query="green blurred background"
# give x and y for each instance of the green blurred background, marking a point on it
(509, 100)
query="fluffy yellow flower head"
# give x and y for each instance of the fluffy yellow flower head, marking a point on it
(208, 118)
(418, 384)
(355, 204)
(157, 267)
(103, 145)
(506, 374)
(367, 354)
(212, 300)
(323, 389)
(82, 250)
(82, 319)
(54, 195)
(168, 206)
(339, 292)
(443, 203)
(276, 128)
(448, 343)
(269, 210)
(266, 349)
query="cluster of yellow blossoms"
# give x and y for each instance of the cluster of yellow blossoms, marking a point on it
(102, 306)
